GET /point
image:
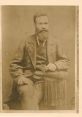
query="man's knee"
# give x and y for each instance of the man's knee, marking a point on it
(25, 90)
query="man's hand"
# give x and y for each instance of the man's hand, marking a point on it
(21, 80)
(51, 67)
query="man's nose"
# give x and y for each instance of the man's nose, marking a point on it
(43, 27)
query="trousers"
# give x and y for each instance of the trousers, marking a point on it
(31, 95)
(46, 94)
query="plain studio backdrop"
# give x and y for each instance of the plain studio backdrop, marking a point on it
(17, 24)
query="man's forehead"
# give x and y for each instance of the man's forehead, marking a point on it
(42, 19)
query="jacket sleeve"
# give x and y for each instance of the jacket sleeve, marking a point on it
(16, 66)
(62, 62)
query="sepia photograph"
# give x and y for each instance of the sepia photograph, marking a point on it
(39, 58)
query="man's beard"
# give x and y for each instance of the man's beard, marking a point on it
(43, 35)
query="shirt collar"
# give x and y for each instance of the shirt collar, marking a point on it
(38, 42)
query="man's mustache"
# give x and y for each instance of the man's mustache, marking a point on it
(44, 30)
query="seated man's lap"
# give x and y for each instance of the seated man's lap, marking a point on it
(31, 91)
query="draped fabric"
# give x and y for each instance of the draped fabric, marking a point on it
(55, 93)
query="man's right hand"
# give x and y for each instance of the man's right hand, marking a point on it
(21, 80)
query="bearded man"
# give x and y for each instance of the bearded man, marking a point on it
(37, 58)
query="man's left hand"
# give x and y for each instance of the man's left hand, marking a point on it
(51, 67)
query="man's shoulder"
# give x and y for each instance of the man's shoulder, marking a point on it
(27, 40)
(30, 38)
(53, 40)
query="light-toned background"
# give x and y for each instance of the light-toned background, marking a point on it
(17, 23)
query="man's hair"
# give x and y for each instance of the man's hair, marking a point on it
(39, 15)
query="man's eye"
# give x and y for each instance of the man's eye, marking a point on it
(43, 23)
(46, 23)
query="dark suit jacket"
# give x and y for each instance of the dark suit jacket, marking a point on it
(26, 55)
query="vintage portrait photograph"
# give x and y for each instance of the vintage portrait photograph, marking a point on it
(39, 58)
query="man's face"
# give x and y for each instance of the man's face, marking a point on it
(41, 26)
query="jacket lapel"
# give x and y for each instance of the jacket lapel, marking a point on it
(32, 51)
(51, 51)
(48, 52)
